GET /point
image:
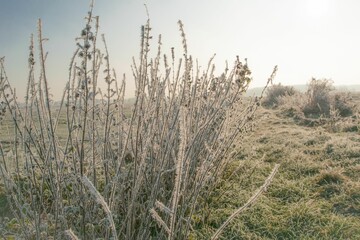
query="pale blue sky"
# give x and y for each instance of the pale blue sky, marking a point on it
(305, 38)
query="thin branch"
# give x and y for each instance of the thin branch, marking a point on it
(251, 201)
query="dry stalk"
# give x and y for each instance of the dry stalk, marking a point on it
(250, 202)
(99, 199)
(71, 235)
(159, 220)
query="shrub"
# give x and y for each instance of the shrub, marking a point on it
(137, 175)
(275, 93)
(341, 104)
(318, 98)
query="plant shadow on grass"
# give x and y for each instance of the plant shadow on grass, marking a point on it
(5, 210)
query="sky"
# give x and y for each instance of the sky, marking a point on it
(305, 38)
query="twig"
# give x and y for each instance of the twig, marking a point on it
(71, 234)
(101, 201)
(248, 204)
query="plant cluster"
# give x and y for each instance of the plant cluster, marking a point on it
(274, 94)
(321, 104)
(318, 98)
(322, 101)
(118, 176)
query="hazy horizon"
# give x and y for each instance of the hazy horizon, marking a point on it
(312, 38)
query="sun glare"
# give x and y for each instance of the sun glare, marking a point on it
(317, 8)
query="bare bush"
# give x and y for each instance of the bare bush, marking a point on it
(275, 93)
(341, 104)
(322, 101)
(117, 176)
(318, 98)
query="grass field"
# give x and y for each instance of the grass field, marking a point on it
(315, 194)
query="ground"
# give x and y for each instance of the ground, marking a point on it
(315, 194)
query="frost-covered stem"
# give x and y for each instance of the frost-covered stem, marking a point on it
(179, 171)
(251, 201)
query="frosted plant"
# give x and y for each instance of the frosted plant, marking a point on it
(113, 170)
